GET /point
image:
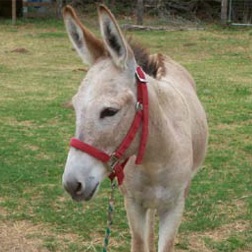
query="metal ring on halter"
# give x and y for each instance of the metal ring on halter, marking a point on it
(139, 106)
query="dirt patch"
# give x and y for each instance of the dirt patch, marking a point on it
(19, 50)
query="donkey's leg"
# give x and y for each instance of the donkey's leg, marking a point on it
(138, 221)
(168, 226)
(151, 222)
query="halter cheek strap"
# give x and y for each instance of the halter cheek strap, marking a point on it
(117, 161)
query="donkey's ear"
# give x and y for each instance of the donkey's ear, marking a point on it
(84, 41)
(113, 38)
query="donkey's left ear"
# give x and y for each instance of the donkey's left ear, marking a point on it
(113, 38)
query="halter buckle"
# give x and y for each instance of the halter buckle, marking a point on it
(113, 161)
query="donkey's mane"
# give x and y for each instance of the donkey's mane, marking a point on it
(153, 65)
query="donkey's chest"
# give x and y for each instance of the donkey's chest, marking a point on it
(155, 196)
(160, 192)
(157, 185)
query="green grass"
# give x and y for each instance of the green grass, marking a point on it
(35, 129)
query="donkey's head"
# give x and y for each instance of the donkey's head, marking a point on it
(105, 102)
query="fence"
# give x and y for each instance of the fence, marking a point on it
(39, 8)
(240, 12)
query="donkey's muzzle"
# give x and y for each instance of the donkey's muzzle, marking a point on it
(80, 191)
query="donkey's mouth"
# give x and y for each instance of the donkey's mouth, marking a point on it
(91, 194)
(85, 195)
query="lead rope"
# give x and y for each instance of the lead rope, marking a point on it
(109, 216)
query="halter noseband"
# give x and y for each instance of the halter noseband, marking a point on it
(115, 161)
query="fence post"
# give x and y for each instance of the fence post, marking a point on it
(14, 12)
(140, 12)
(224, 7)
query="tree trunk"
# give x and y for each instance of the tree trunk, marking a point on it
(140, 12)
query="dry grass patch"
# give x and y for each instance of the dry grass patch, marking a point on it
(233, 209)
(196, 241)
(12, 121)
(3, 211)
(23, 236)
(15, 237)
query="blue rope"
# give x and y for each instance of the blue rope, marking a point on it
(109, 217)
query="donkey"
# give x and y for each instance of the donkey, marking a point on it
(171, 133)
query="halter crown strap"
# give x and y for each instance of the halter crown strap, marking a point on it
(116, 161)
(143, 99)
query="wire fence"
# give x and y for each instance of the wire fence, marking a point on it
(240, 12)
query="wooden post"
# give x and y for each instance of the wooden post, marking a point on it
(14, 12)
(140, 12)
(224, 8)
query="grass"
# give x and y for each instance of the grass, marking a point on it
(35, 83)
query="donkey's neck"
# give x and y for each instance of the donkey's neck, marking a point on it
(162, 138)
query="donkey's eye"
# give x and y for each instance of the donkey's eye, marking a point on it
(108, 112)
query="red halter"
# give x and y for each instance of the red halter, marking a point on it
(115, 161)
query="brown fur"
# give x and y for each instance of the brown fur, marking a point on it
(153, 65)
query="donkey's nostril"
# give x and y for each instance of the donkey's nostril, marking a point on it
(73, 187)
(78, 189)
